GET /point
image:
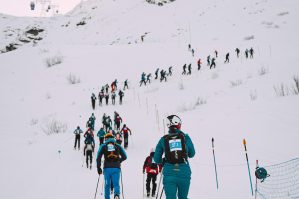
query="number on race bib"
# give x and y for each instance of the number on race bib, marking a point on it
(175, 145)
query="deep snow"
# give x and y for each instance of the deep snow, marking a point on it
(109, 47)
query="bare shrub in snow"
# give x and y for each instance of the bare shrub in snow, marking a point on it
(54, 60)
(281, 90)
(72, 79)
(181, 86)
(33, 121)
(214, 75)
(283, 13)
(236, 83)
(191, 106)
(253, 95)
(48, 96)
(200, 101)
(263, 71)
(296, 87)
(54, 127)
(251, 37)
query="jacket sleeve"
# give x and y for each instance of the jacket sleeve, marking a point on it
(99, 156)
(190, 147)
(159, 151)
(122, 154)
(145, 164)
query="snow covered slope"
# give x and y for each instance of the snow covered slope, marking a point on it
(234, 101)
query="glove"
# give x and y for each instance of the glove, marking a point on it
(143, 171)
(100, 171)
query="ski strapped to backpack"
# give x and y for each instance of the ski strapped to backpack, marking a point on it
(175, 148)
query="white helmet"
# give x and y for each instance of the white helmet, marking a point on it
(173, 121)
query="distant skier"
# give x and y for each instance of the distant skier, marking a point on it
(148, 78)
(152, 169)
(115, 84)
(189, 69)
(246, 53)
(118, 138)
(184, 69)
(143, 79)
(189, 47)
(251, 52)
(107, 88)
(101, 96)
(125, 131)
(177, 147)
(117, 121)
(198, 64)
(88, 150)
(88, 133)
(216, 53)
(121, 95)
(238, 52)
(192, 51)
(213, 63)
(126, 85)
(108, 123)
(170, 71)
(107, 98)
(163, 75)
(157, 73)
(226, 58)
(113, 95)
(114, 155)
(90, 124)
(93, 100)
(77, 133)
(209, 60)
(101, 133)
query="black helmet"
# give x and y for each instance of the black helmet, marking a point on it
(174, 121)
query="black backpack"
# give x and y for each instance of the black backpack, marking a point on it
(175, 148)
(111, 152)
(152, 164)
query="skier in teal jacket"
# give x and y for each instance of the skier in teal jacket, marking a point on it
(177, 147)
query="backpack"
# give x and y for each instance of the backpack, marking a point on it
(89, 147)
(175, 148)
(111, 152)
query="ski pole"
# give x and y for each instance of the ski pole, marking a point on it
(159, 185)
(102, 187)
(215, 163)
(162, 192)
(122, 186)
(95, 195)
(244, 143)
(257, 165)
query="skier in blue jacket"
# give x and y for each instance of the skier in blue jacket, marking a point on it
(177, 147)
(114, 155)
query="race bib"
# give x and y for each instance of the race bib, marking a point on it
(175, 145)
(110, 147)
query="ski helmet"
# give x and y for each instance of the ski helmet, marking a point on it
(174, 121)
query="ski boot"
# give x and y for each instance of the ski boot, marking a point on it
(148, 194)
(116, 197)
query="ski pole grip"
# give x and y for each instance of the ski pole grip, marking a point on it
(213, 142)
(244, 142)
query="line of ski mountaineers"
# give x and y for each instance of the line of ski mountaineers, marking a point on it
(211, 63)
(146, 78)
(170, 157)
(105, 94)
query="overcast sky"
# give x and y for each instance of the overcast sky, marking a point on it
(22, 7)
